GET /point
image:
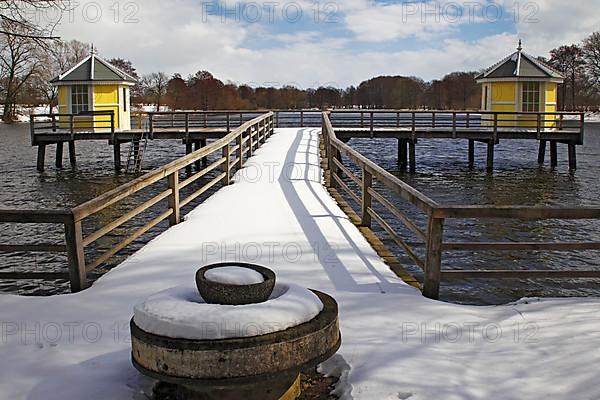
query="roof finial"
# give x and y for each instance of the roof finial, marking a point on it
(93, 52)
(520, 48)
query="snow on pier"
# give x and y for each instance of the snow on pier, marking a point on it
(396, 343)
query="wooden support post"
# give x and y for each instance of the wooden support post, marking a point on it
(471, 153)
(59, 155)
(250, 143)
(197, 147)
(72, 153)
(490, 156)
(226, 166)
(403, 154)
(553, 154)
(433, 258)
(117, 155)
(542, 152)
(41, 157)
(173, 183)
(75, 254)
(366, 202)
(412, 155)
(204, 159)
(572, 156)
(188, 150)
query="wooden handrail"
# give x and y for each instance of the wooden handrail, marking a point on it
(438, 214)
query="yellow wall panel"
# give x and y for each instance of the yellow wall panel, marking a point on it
(106, 94)
(103, 121)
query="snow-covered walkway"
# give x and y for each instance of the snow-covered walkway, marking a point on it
(396, 344)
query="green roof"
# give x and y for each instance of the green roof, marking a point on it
(520, 65)
(94, 69)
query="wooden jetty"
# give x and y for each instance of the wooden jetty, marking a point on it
(234, 144)
(486, 127)
(193, 128)
(338, 174)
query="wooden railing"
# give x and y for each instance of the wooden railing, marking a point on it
(341, 176)
(232, 151)
(87, 121)
(187, 120)
(487, 121)
(72, 234)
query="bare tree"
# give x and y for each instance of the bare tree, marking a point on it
(591, 54)
(569, 61)
(31, 19)
(155, 87)
(19, 62)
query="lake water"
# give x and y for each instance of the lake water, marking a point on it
(442, 173)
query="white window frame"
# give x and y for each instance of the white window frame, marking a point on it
(531, 98)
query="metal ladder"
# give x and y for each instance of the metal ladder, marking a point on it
(135, 159)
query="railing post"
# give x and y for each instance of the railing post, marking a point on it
(539, 126)
(581, 127)
(366, 203)
(468, 120)
(72, 125)
(301, 118)
(240, 152)
(151, 125)
(413, 126)
(75, 254)
(173, 183)
(433, 258)
(495, 127)
(372, 127)
(187, 128)
(433, 119)
(53, 122)
(228, 123)
(454, 124)
(362, 119)
(226, 166)
(398, 119)
(250, 142)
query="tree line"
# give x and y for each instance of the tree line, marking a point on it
(29, 59)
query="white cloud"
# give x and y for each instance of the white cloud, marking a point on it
(174, 37)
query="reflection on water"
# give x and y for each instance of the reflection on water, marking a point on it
(443, 174)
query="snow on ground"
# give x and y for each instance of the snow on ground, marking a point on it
(396, 344)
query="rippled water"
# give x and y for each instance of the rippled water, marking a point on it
(23, 187)
(442, 173)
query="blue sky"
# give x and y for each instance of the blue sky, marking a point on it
(288, 42)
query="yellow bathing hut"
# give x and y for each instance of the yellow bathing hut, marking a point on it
(94, 85)
(523, 84)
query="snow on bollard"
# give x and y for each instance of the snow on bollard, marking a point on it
(228, 349)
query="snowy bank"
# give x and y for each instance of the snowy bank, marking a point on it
(396, 344)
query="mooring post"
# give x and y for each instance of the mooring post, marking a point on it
(41, 157)
(433, 258)
(553, 154)
(542, 152)
(72, 153)
(117, 155)
(490, 156)
(402, 154)
(59, 155)
(471, 153)
(572, 156)
(412, 155)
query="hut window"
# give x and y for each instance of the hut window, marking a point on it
(79, 99)
(531, 96)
